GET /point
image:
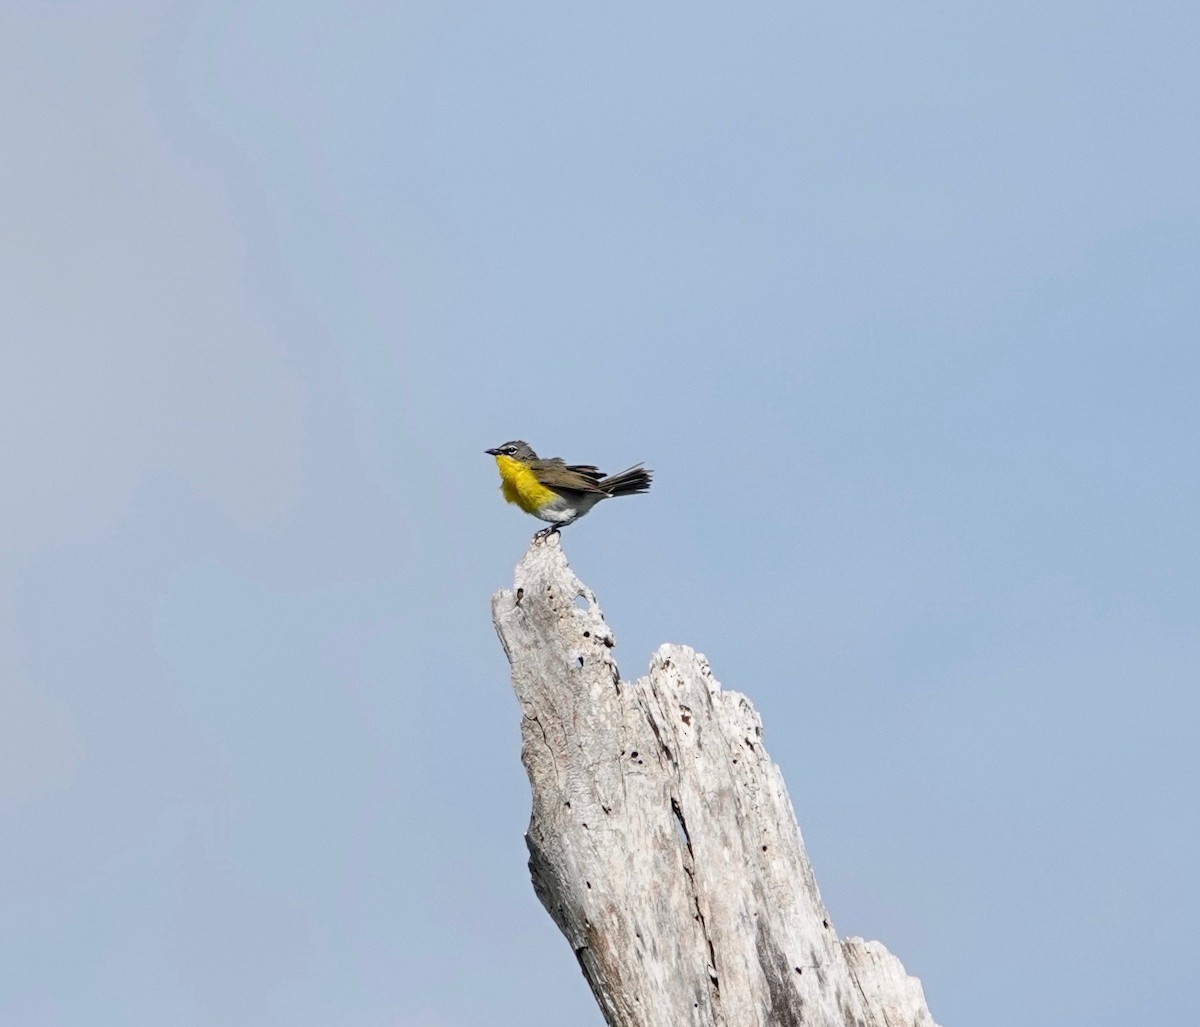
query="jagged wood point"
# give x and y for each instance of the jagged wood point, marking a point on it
(662, 840)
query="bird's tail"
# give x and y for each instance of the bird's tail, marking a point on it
(627, 483)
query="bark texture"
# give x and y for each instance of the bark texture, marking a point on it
(662, 840)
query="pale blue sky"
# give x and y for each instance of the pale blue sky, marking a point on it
(899, 303)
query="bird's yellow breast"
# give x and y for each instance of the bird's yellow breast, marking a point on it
(520, 485)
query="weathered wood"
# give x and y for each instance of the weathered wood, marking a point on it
(662, 840)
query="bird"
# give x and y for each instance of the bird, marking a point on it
(555, 491)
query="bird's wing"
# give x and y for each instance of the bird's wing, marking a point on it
(556, 474)
(587, 470)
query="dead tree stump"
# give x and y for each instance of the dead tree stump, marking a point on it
(662, 840)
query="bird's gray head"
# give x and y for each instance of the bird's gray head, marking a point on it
(516, 449)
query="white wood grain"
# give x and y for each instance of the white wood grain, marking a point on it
(662, 840)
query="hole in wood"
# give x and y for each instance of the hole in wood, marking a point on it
(681, 824)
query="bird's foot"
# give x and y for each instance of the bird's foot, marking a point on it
(545, 533)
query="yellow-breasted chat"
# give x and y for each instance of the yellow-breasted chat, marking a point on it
(555, 491)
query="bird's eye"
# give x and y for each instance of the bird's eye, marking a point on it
(510, 450)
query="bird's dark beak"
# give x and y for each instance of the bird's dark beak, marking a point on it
(492, 452)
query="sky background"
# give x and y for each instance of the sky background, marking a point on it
(901, 305)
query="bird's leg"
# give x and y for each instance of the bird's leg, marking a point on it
(546, 532)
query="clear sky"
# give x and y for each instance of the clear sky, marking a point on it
(899, 302)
